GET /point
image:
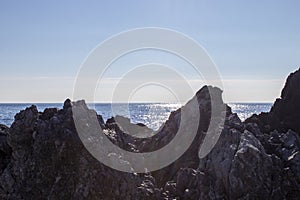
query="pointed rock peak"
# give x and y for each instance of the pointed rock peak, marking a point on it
(285, 112)
(292, 86)
(206, 92)
(67, 104)
(289, 103)
(80, 104)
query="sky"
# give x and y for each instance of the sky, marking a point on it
(254, 45)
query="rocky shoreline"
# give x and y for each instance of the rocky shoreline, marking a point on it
(42, 156)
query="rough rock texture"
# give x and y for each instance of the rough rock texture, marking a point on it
(48, 161)
(5, 149)
(42, 156)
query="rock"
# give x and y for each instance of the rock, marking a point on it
(42, 155)
(190, 158)
(5, 149)
(188, 183)
(135, 130)
(55, 165)
(48, 113)
(285, 113)
(250, 174)
(67, 104)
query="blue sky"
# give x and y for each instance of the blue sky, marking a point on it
(255, 44)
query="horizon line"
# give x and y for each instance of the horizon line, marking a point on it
(135, 102)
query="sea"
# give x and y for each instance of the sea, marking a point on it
(151, 114)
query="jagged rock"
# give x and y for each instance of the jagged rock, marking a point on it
(42, 156)
(67, 104)
(135, 130)
(5, 150)
(250, 173)
(285, 113)
(287, 108)
(55, 165)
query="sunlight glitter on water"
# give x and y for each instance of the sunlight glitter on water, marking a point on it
(245, 110)
(151, 114)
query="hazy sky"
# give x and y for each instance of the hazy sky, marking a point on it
(255, 45)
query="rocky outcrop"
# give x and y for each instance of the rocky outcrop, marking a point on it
(285, 113)
(5, 150)
(42, 156)
(244, 164)
(48, 161)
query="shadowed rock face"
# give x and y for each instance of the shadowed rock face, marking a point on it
(48, 161)
(42, 156)
(287, 108)
(285, 113)
(5, 149)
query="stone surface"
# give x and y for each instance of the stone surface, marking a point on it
(285, 113)
(5, 149)
(42, 156)
(48, 161)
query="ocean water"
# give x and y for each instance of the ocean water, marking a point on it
(245, 110)
(150, 114)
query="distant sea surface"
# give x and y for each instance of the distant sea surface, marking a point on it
(150, 114)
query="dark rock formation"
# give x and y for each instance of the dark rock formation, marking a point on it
(5, 150)
(136, 130)
(42, 156)
(190, 159)
(285, 113)
(48, 161)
